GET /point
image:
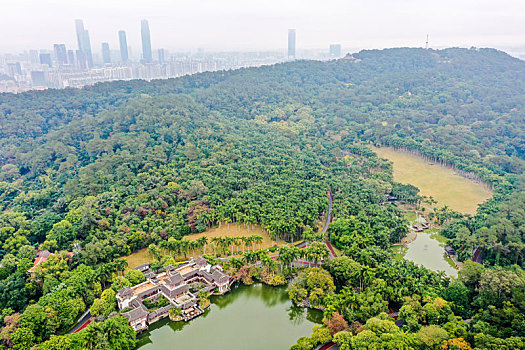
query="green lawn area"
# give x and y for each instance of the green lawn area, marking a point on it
(442, 183)
(138, 258)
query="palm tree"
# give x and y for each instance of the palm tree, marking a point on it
(202, 243)
(193, 245)
(250, 257)
(121, 265)
(215, 241)
(259, 240)
(238, 241)
(185, 247)
(250, 240)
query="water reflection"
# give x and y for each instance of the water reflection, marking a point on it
(236, 319)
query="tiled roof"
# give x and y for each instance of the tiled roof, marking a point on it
(174, 280)
(143, 267)
(201, 261)
(219, 277)
(125, 291)
(136, 314)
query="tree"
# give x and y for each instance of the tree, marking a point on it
(321, 335)
(135, 277)
(105, 305)
(312, 285)
(336, 323)
(432, 336)
(57, 343)
(62, 232)
(458, 294)
(456, 344)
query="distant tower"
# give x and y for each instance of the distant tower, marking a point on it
(335, 50)
(146, 41)
(45, 58)
(87, 49)
(79, 25)
(84, 44)
(426, 45)
(291, 43)
(71, 57)
(106, 56)
(162, 56)
(123, 46)
(61, 54)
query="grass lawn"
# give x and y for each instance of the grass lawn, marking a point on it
(442, 183)
(138, 258)
(236, 230)
(226, 230)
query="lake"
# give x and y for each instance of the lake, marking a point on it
(249, 317)
(426, 250)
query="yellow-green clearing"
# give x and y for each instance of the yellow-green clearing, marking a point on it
(442, 183)
(225, 230)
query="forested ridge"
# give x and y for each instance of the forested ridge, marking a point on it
(112, 168)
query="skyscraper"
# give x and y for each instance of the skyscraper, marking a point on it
(123, 46)
(106, 56)
(61, 54)
(79, 25)
(71, 57)
(162, 56)
(14, 69)
(38, 78)
(335, 50)
(84, 44)
(45, 58)
(33, 56)
(87, 49)
(146, 41)
(291, 43)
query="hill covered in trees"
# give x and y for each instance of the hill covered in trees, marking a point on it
(112, 168)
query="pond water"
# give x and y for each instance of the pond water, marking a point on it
(249, 317)
(426, 250)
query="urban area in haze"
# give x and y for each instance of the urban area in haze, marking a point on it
(90, 63)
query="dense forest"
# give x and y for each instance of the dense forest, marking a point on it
(112, 168)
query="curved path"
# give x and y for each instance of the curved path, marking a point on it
(328, 212)
(327, 223)
(82, 323)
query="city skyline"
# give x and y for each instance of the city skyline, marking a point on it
(236, 26)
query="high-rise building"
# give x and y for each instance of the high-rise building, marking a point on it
(71, 57)
(87, 49)
(79, 25)
(146, 41)
(291, 43)
(335, 50)
(38, 78)
(84, 44)
(106, 55)
(61, 54)
(82, 61)
(123, 46)
(33, 56)
(162, 56)
(14, 69)
(45, 58)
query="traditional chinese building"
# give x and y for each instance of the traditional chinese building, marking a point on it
(173, 284)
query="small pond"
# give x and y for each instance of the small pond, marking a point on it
(249, 317)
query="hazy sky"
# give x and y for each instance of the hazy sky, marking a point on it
(262, 24)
